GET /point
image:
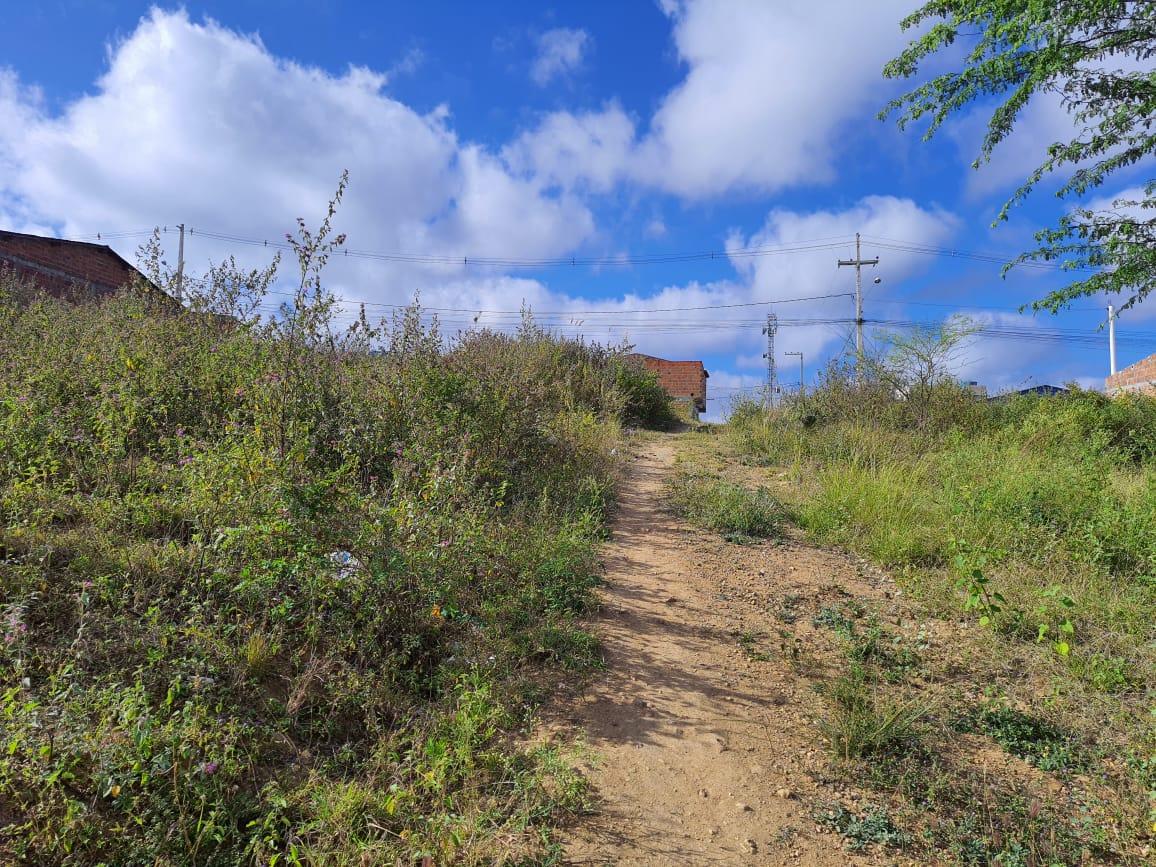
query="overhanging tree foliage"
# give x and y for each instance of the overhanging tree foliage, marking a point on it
(1100, 57)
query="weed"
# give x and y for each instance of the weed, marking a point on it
(1031, 739)
(833, 618)
(874, 645)
(268, 588)
(788, 610)
(1107, 673)
(1037, 518)
(863, 722)
(258, 654)
(873, 827)
(749, 641)
(786, 835)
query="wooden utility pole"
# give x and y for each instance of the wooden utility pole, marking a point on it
(858, 262)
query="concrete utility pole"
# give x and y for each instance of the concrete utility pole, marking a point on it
(858, 262)
(771, 327)
(181, 266)
(1111, 340)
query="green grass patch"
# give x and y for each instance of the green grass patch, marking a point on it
(731, 510)
(1032, 520)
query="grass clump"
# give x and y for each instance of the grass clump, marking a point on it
(864, 720)
(276, 591)
(955, 812)
(735, 512)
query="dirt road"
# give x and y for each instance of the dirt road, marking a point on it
(701, 727)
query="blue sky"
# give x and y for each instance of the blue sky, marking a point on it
(612, 132)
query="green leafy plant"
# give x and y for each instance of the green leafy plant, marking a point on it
(1025, 736)
(975, 584)
(271, 589)
(873, 827)
(1063, 628)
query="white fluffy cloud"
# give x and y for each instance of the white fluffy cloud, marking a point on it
(198, 124)
(778, 277)
(589, 149)
(771, 90)
(1042, 122)
(560, 52)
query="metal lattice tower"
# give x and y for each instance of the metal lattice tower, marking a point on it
(771, 327)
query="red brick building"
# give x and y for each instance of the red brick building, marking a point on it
(684, 380)
(1140, 377)
(67, 269)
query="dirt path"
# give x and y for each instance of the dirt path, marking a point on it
(705, 751)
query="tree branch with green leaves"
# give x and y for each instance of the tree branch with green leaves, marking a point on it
(1099, 56)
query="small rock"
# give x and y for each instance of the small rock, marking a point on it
(673, 600)
(703, 793)
(744, 807)
(784, 793)
(750, 846)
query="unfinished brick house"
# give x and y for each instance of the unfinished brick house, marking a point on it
(70, 270)
(684, 380)
(1140, 377)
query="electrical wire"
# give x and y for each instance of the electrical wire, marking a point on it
(829, 243)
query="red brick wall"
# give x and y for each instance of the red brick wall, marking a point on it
(59, 267)
(1140, 377)
(686, 379)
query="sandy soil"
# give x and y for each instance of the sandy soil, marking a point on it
(704, 749)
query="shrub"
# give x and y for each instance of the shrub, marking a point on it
(647, 403)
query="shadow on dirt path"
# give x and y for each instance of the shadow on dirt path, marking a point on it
(702, 753)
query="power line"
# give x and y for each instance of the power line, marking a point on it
(929, 250)
(967, 307)
(823, 243)
(550, 262)
(1046, 335)
(575, 313)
